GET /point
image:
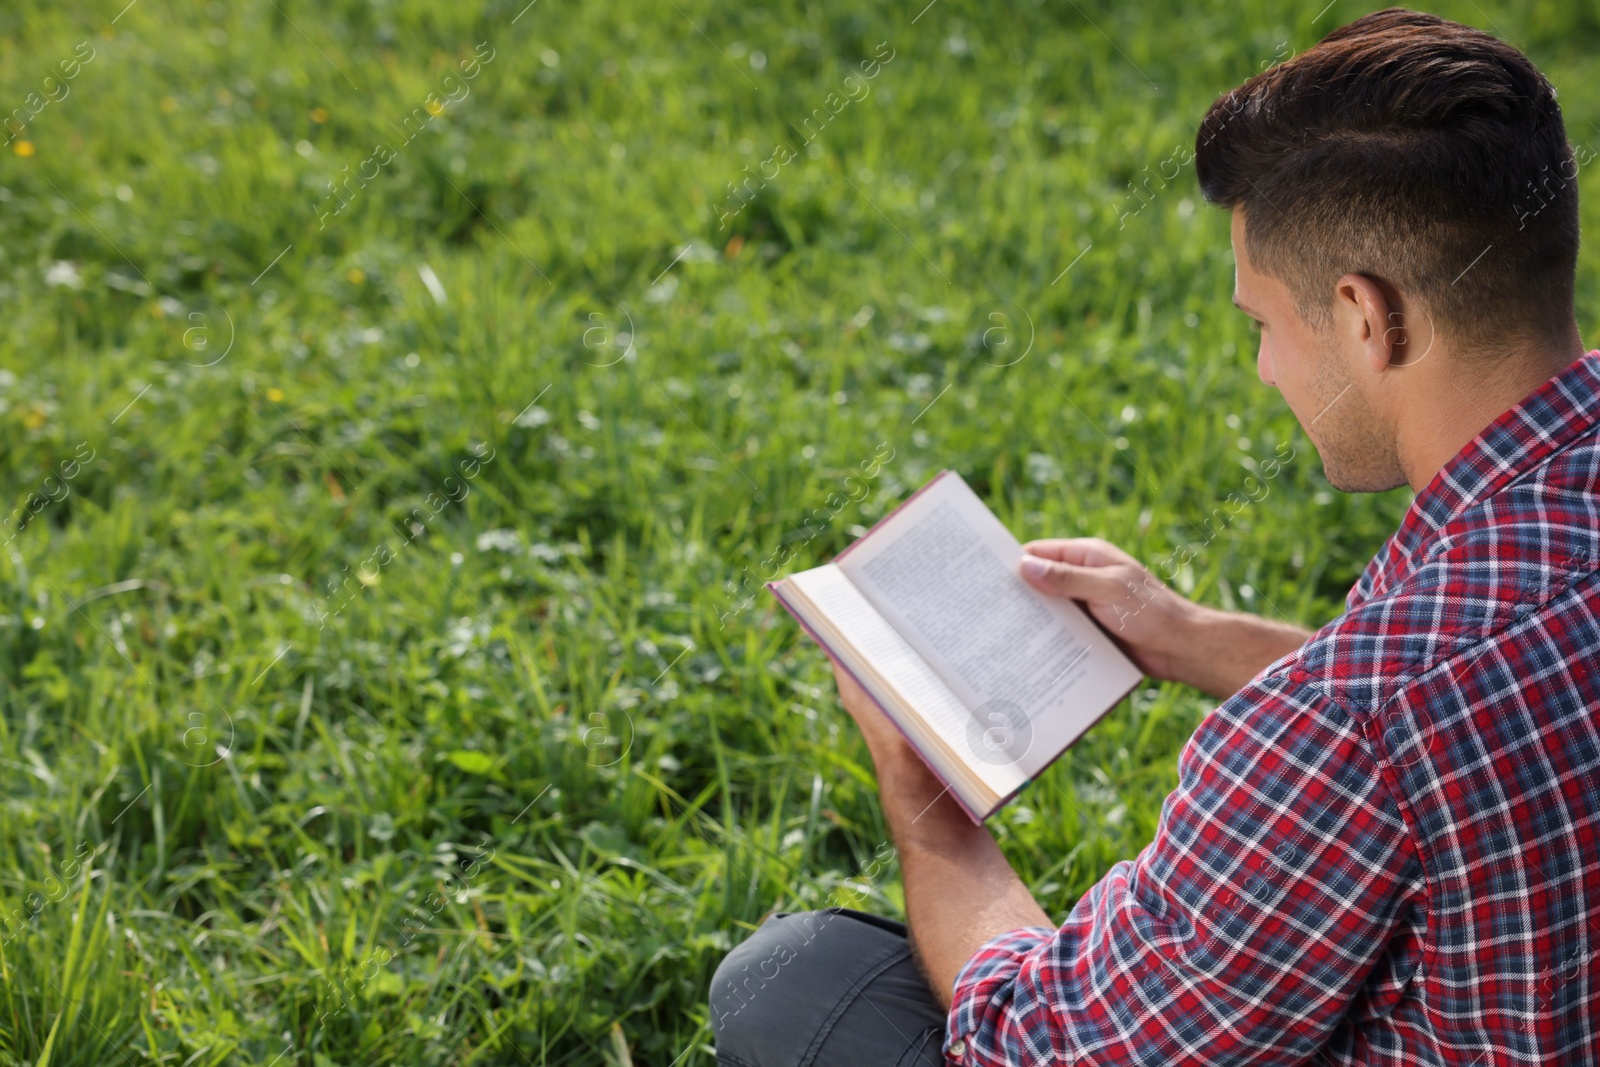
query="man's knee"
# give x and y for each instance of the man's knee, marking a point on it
(767, 980)
(758, 961)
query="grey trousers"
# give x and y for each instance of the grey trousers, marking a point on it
(831, 988)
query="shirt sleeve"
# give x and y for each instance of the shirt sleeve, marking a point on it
(1279, 872)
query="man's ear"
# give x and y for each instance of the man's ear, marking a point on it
(1369, 318)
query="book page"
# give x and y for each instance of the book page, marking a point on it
(918, 684)
(1034, 669)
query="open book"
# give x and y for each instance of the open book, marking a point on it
(988, 678)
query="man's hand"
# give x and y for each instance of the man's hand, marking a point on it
(915, 802)
(960, 891)
(1151, 622)
(1168, 636)
(883, 739)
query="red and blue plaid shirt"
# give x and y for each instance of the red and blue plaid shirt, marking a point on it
(1385, 849)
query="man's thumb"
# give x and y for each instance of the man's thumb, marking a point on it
(1049, 576)
(1089, 584)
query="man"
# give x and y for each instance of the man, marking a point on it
(1384, 846)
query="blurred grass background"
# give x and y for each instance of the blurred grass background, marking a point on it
(377, 687)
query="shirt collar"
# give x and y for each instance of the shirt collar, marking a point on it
(1541, 424)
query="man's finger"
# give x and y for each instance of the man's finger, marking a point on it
(1081, 551)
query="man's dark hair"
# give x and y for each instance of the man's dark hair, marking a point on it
(1413, 150)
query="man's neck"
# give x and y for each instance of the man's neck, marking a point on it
(1448, 407)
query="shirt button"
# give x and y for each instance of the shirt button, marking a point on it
(958, 1048)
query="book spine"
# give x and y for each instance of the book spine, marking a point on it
(977, 819)
(903, 504)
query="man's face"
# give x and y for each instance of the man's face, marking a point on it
(1318, 371)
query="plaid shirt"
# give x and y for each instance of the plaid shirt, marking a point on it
(1385, 849)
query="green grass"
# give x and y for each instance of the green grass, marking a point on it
(510, 802)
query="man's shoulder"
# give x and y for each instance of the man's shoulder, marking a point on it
(1498, 565)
